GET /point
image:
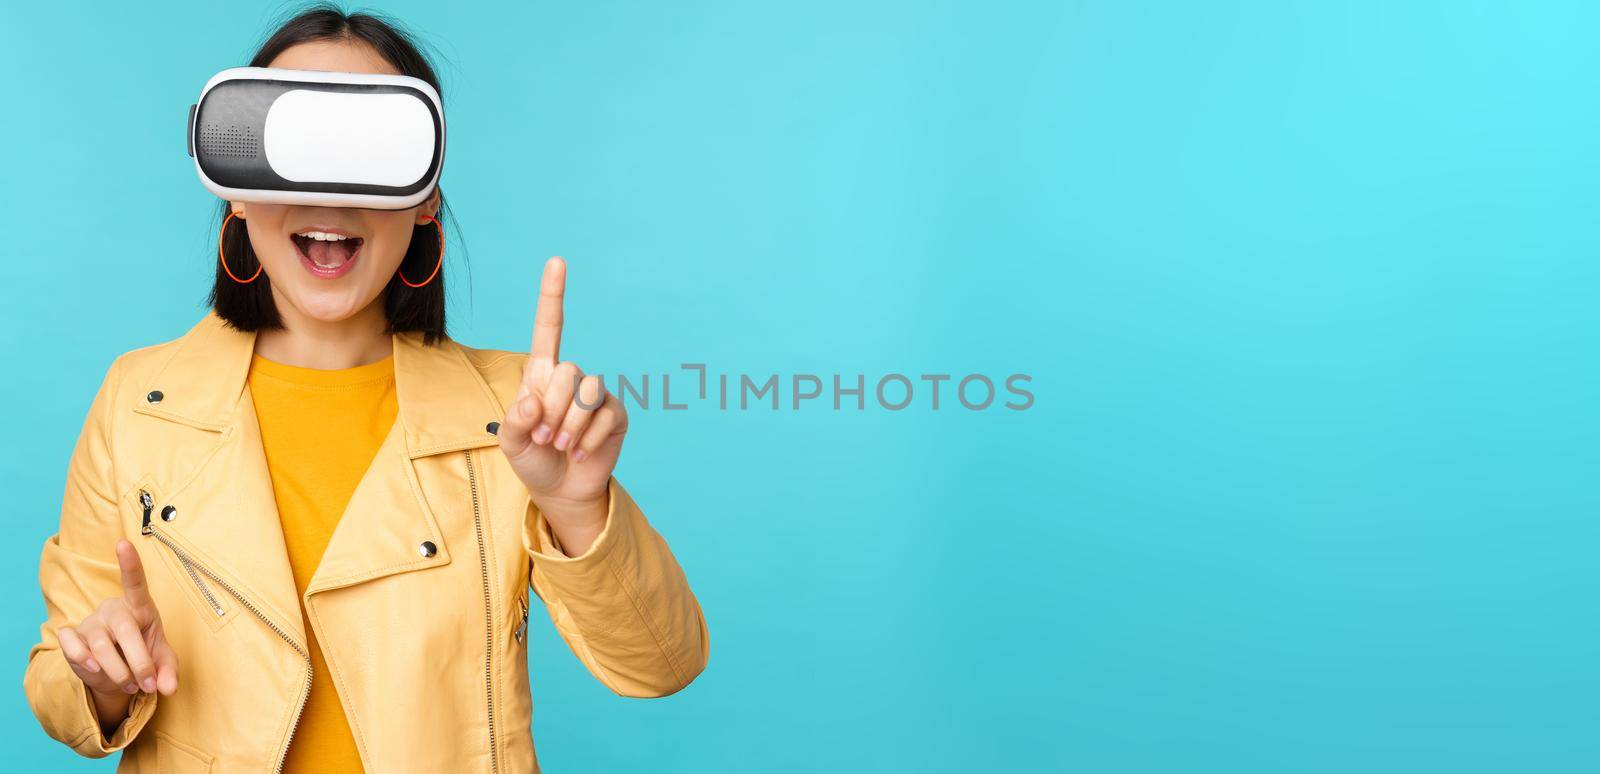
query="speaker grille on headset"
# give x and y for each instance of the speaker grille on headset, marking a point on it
(230, 140)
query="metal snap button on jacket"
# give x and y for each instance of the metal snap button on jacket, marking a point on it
(169, 513)
(427, 548)
(155, 396)
(493, 428)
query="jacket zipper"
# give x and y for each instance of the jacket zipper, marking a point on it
(189, 564)
(188, 567)
(149, 505)
(488, 613)
(522, 609)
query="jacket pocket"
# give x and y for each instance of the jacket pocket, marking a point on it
(212, 607)
(175, 757)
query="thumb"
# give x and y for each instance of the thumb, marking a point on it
(516, 432)
(166, 666)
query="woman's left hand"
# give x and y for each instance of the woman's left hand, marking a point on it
(564, 432)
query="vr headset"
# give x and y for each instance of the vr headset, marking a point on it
(324, 139)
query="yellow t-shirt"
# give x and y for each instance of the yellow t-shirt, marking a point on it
(320, 431)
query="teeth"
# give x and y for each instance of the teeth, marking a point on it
(323, 236)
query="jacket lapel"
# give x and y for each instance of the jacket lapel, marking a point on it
(215, 470)
(444, 406)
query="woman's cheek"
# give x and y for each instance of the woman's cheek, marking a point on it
(391, 252)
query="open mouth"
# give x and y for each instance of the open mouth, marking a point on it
(325, 253)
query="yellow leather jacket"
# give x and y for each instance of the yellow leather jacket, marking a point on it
(427, 645)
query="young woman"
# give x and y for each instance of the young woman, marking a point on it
(302, 536)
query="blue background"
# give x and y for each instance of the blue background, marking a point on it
(1307, 291)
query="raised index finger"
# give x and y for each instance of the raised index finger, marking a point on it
(135, 590)
(548, 314)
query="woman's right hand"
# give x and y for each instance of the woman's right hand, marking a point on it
(119, 649)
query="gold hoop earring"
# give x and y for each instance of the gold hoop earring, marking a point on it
(440, 228)
(224, 258)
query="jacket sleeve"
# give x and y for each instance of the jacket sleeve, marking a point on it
(624, 606)
(77, 571)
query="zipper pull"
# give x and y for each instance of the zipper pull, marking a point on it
(149, 504)
(522, 628)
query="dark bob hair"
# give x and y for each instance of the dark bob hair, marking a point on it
(249, 306)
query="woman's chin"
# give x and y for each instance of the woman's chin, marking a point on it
(330, 305)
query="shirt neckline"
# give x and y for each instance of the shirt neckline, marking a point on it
(367, 373)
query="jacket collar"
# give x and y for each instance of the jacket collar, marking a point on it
(444, 403)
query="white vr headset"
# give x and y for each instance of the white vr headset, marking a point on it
(324, 139)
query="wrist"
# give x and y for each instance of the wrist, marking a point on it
(110, 709)
(574, 524)
(579, 513)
